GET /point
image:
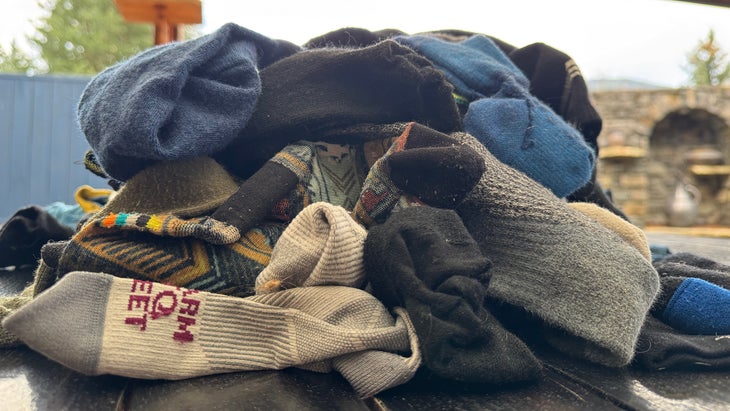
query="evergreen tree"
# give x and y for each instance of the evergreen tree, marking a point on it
(86, 36)
(706, 63)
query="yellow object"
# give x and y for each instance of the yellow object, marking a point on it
(86, 194)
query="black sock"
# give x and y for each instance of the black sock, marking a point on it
(423, 259)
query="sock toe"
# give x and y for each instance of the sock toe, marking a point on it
(65, 323)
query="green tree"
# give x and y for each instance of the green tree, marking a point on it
(15, 60)
(706, 63)
(86, 36)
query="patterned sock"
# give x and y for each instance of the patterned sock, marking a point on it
(321, 246)
(422, 166)
(194, 253)
(99, 324)
(629, 232)
(423, 259)
(558, 264)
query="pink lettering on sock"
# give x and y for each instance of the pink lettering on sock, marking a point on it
(142, 284)
(141, 321)
(159, 309)
(185, 335)
(139, 300)
(162, 304)
(191, 308)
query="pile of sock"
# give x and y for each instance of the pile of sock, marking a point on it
(371, 203)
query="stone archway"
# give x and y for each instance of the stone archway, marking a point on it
(648, 142)
(678, 142)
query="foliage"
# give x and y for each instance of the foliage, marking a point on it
(706, 63)
(15, 60)
(86, 36)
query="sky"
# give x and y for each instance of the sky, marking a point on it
(642, 40)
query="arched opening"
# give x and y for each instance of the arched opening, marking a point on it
(689, 161)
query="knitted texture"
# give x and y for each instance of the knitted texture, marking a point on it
(186, 188)
(424, 260)
(662, 347)
(518, 128)
(142, 329)
(323, 245)
(696, 266)
(166, 225)
(558, 264)
(316, 91)
(422, 166)
(173, 251)
(630, 233)
(699, 307)
(7, 306)
(176, 100)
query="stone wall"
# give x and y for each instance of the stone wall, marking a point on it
(651, 143)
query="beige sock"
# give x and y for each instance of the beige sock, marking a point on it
(629, 232)
(323, 245)
(99, 324)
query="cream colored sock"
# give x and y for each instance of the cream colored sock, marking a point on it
(99, 324)
(323, 245)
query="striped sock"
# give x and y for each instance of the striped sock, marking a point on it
(100, 324)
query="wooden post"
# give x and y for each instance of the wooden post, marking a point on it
(165, 15)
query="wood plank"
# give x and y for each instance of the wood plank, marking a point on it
(290, 389)
(29, 381)
(638, 389)
(553, 392)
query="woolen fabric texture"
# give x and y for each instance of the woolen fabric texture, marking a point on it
(558, 264)
(176, 100)
(686, 264)
(699, 307)
(662, 347)
(423, 259)
(316, 91)
(518, 128)
(185, 188)
(130, 328)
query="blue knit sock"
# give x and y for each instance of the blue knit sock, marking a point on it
(699, 307)
(518, 128)
(527, 135)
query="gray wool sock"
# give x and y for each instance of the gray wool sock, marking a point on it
(591, 289)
